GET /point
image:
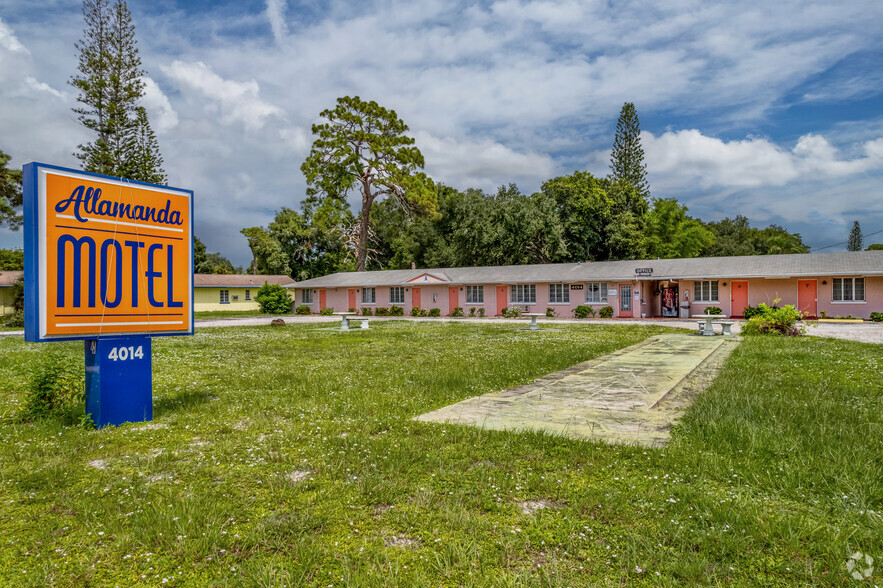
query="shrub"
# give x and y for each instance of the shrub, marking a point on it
(56, 385)
(381, 311)
(396, 311)
(16, 320)
(583, 311)
(274, 299)
(772, 320)
(472, 311)
(352, 310)
(415, 311)
(433, 312)
(550, 312)
(327, 311)
(713, 310)
(458, 312)
(877, 317)
(302, 309)
(366, 311)
(481, 311)
(512, 312)
(606, 312)
(751, 311)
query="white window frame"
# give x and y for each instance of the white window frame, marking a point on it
(852, 288)
(523, 294)
(400, 299)
(475, 294)
(307, 296)
(369, 299)
(702, 291)
(599, 288)
(224, 296)
(562, 296)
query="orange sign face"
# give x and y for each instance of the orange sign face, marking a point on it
(107, 256)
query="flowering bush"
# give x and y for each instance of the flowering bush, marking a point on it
(606, 312)
(772, 320)
(457, 312)
(381, 311)
(550, 312)
(302, 309)
(432, 312)
(366, 311)
(396, 311)
(328, 311)
(583, 311)
(415, 311)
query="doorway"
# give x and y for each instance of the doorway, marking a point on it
(453, 300)
(807, 297)
(625, 301)
(322, 300)
(502, 300)
(738, 298)
(352, 298)
(415, 297)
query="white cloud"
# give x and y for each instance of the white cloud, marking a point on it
(34, 84)
(9, 41)
(163, 116)
(233, 101)
(276, 16)
(677, 159)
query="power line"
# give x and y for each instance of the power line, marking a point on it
(845, 242)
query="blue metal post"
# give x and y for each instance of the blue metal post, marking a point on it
(119, 380)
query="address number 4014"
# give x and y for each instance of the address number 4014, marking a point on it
(125, 353)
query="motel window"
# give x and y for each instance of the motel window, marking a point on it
(559, 293)
(225, 296)
(369, 295)
(849, 289)
(596, 292)
(307, 296)
(474, 294)
(524, 294)
(248, 294)
(705, 291)
(397, 295)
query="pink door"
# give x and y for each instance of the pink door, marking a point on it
(322, 300)
(738, 298)
(415, 297)
(625, 301)
(807, 297)
(453, 300)
(352, 297)
(502, 300)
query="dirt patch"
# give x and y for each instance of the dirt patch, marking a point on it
(98, 464)
(298, 476)
(402, 542)
(530, 507)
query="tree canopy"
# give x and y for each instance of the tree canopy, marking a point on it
(627, 157)
(10, 194)
(854, 243)
(363, 145)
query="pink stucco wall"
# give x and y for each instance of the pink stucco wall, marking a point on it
(645, 300)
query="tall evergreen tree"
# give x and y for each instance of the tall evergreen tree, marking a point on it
(143, 160)
(627, 158)
(10, 194)
(854, 243)
(110, 87)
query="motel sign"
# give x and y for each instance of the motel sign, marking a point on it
(109, 261)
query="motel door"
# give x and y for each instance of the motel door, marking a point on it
(807, 297)
(322, 300)
(502, 299)
(415, 297)
(453, 300)
(625, 300)
(738, 298)
(352, 297)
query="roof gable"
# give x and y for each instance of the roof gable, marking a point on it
(428, 278)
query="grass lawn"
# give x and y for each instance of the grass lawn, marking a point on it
(287, 456)
(220, 314)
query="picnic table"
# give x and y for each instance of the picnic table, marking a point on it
(344, 319)
(708, 328)
(533, 319)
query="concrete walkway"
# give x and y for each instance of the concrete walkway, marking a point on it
(633, 395)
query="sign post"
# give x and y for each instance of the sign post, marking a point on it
(108, 261)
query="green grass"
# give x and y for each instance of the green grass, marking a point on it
(285, 457)
(220, 314)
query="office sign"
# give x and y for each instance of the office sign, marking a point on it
(643, 271)
(105, 256)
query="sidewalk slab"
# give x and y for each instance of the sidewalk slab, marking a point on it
(633, 395)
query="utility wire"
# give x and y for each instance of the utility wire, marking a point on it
(845, 242)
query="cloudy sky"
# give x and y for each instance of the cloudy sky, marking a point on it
(770, 110)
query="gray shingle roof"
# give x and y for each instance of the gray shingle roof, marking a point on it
(858, 263)
(10, 277)
(236, 280)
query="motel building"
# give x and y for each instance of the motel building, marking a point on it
(838, 284)
(229, 292)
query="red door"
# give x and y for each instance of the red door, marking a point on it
(807, 297)
(625, 301)
(453, 300)
(738, 298)
(352, 297)
(502, 299)
(322, 300)
(415, 297)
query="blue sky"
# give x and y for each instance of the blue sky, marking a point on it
(771, 110)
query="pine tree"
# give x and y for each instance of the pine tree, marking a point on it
(143, 160)
(627, 158)
(854, 243)
(110, 87)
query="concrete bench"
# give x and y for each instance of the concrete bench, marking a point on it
(725, 327)
(364, 320)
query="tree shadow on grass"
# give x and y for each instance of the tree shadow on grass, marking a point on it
(181, 401)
